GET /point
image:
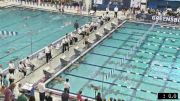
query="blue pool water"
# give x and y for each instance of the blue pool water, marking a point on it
(44, 27)
(153, 69)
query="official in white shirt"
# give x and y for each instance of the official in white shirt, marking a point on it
(41, 90)
(67, 85)
(116, 11)
(48, 53)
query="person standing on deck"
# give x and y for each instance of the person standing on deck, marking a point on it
(48, 54)
(79, 96)
(67, 85)
(41, 89)
(115, 11)
(76, 25)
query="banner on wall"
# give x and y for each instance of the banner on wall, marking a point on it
(135, 3)
(159, 18)
(166, 18)
(98, 1)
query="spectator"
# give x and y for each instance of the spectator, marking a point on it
(98, 97)
(32, 98)
(79, 97)
(48, 97)
(76, 25)
(86, 100)
(2, 90)
(22, 97)
(11, 67)
(67, 85)
(65, 96)
(8, 93)
(41, 89)
(5, 81)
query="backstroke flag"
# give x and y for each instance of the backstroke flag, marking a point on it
(98, 1)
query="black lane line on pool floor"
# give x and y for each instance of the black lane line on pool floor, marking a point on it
(155, 43)
(97, 66)
(104, 63)
(154, 31)
(94, 98)
(142, 90)
(150, 53)
(168, 28)
(174, 60)
(154, 36)
(139, 73)
(160, 37)
(146, 58)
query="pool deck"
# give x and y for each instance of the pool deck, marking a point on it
(38, 75)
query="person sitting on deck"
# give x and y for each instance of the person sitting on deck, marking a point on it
(22, 68)
(29, 64)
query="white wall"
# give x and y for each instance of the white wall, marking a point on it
(144, 7)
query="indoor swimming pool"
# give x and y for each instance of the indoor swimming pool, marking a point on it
(152, 69)
(34, 29)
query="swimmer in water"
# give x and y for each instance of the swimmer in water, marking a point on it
(172, 41)
(10, 50)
